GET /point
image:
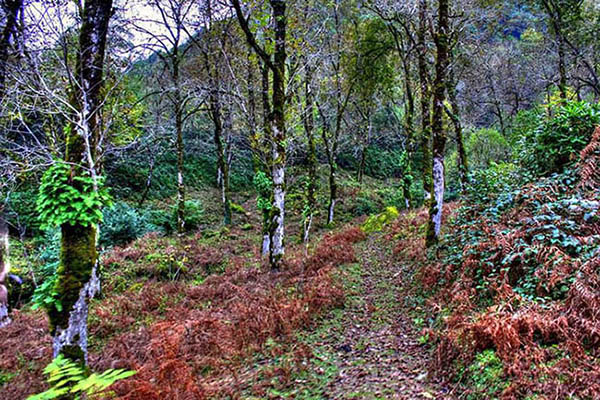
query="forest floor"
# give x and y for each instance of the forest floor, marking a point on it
(371, 348)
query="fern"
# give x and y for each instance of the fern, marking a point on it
(66, 377)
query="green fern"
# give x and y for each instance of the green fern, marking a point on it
(66, 377)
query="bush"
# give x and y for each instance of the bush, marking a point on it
(557, 142)
(194, 215)
(123, 224)
(21, 211)
(45, 295)
(365, 205)
(486, 146)
(383, 164)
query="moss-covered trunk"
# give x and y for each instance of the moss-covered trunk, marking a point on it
(454, 114)
(425, 102)
(77, 272)
(311, 187)
(279, 135)
(266, 122)
(439, 134)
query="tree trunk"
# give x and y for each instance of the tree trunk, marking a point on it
(425, 102)
(77, 279)
(148, 181)
(277, 119)
(4, 270)
(279, 155)
(222, 165)
(332, 191)
(180, 163)
(312, 156)
(562, 68)
(252, 129)
(439, 135)
(11, 9)
(363, 151)
(266, 228)
(454, 114)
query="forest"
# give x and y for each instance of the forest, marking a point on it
(299, 199)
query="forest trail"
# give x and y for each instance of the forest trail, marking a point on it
(372, 342)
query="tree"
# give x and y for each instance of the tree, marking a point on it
(166, 36)
(424, 79)
(439, 135)
(10, 8)
(77, 274)
(276, 65)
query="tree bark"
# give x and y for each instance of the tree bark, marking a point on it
(77, 279)
(267, 137)
(439, 135)
(364, 149)
(4, 270)
(425, 102)
(311, 187)
(277, 118)
(279, 150)
(11, 10)
(179, 145)
(454, 114)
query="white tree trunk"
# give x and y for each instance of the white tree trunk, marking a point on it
(277, 245)
(438, 192)
(4, 270)
(76, 332)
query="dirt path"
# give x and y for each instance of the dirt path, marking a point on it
(371, 346)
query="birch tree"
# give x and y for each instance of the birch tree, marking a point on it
(441, 39)
(275, 63)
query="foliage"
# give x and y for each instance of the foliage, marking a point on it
(264, 187)
(66, 377)
(557, 141)
(383, 164)
(487, 146)
(22, 211)
(487, 183)
(67, 199)
(194, 214)
(45, 295)
(486, 375)
(519, 274)
(123, 224)
(375, 223)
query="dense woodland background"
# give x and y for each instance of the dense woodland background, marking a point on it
(212, 193)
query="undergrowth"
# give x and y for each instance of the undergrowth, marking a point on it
(512, 296)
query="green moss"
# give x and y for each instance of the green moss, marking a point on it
(78, 256)
(375, 223)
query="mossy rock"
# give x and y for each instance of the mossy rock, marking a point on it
(375, 223)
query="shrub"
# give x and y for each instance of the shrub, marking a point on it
(486, 146)
(123, 224)
(365, 205)
(21, 210)
(194, 214)
(383, 164)
(557, 142)
(45, 295)
(486, 183)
